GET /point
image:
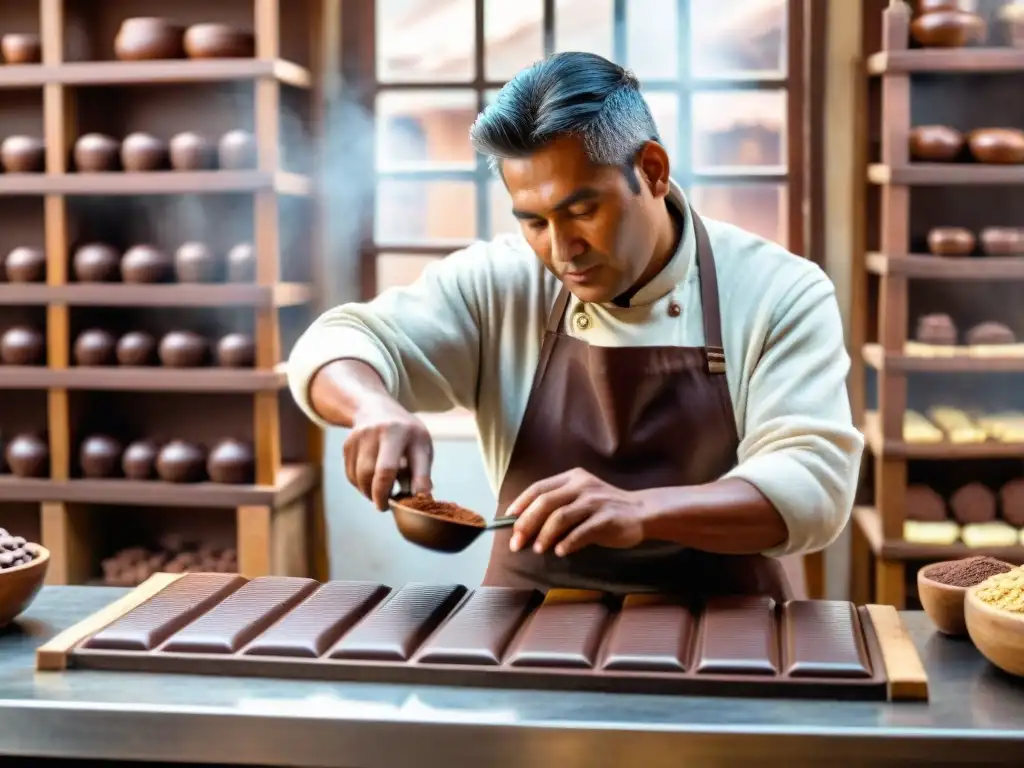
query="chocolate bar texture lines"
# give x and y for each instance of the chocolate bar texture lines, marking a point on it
(823, 640)
(738, 637)
(650, 634)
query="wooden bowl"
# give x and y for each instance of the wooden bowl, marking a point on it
(1002, 241)
(998, 635)
(951, 241)
(148, 37)
(218, 41)
(21, 48)
(935, 143)
(943, 603)
(948, 29)
(20, 585)
(1004, 146)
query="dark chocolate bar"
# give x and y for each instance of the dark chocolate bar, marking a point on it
(241, 617)
(651, 633)
(564, 632)
(481, 628)
(397, 628)
(316, 624)
(823, 639)
(737, 637)
(166, 612)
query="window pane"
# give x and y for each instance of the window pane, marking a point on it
(584, 25)
(758, 208)
(398, 269)
(665, 109)
(513, 35)
(652, 48)
(425, 211)
(733, 36)
(424, 40)
(423, 128)
(742, 128)
(502, 220)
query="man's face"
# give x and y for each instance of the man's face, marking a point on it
(584, 221)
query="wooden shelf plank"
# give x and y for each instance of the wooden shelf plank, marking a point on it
(154, 183)
(163, 295)
(875, 357)
(928, 174)
(946, 60)
(150, 379)
(872, 430)
(294, 481)
(148, 72)
(928, 267)
(870, 523)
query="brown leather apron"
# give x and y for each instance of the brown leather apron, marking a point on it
(637, 417)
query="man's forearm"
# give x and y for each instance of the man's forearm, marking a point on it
(729, 517)
(341, 388)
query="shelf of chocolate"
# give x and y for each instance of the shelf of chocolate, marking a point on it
(445, 634)
(944, 155)
(197, 139)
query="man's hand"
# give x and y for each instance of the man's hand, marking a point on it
(573, 510)
(383, 433)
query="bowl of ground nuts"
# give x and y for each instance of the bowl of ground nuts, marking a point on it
(994, 613)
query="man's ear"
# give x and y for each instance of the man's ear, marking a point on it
(653, 167)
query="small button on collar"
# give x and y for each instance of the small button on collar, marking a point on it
(582, 321)
(674, 310)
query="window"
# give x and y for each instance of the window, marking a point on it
(719, 76)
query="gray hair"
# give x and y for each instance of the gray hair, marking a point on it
(567, 94)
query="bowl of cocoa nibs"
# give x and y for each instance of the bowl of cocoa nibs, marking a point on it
(22, 572)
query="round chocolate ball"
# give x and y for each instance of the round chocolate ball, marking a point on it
(241, 263)
(182, 349)
(139, 460)
(22, 345)
(25, 265)
(231, 461)
(237, 150)
(95, 152)
(195, 263)
(96, 263)
(28, 456)
(136, 348)
(181, 462)
(191, 151)
(23, 154)
(100, 456)
(94, 347)
(143, 152)
(145, 264)
(236, 350)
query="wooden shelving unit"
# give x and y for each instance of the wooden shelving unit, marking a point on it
(879, 529)
(273, 523)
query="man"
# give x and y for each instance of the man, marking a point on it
(661, 399)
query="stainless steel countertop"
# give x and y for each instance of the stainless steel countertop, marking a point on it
(976, 716)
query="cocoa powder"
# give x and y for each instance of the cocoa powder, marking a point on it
(424, 502)
(966, 572)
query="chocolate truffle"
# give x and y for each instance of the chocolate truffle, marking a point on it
(191, 151)
(145, 264)
(1002, 241)
(973, 503)
(96, 263)
(143, 152)
(28, 456)
(21, 48)
(990, 333)
(951, 241)
(100, 456)
(237, 150)
(23, 154)
(182, 349)
(25, 265)
(96, 152)
(22, 345)
(1011, 502)
(136, 348)
(242, 263)
(925, 505)
(231, 461)
(936, 329)
(139, 460)
(181, 462)
(195, 263)
(94, 347)
(236, 350)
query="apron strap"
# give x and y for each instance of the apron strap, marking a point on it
(558, 311)
(709, 297)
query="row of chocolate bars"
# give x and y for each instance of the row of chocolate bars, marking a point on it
(974, 514)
